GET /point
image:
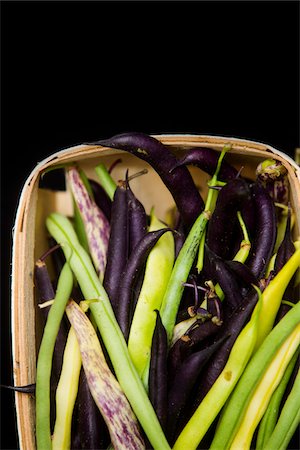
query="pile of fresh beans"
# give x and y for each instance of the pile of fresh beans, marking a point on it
(170, 332)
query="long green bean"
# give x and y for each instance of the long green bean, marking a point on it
(44, 361)
(63, 232)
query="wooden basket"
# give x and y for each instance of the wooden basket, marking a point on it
(29, 240)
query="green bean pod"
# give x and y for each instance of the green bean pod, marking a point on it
(61, 229)
(263, 393)
(268, 422)
(253, 374)
(288, 421)
(44, 361)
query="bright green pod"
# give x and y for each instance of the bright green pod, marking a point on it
(233, 413)
(44, 360)
(270, 417)
(288, 421)
(63, 232)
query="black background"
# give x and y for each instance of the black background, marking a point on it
(78, 71)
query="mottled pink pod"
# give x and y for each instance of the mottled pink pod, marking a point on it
(96, 225)
(105, 389)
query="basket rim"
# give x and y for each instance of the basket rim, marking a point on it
(182, 139)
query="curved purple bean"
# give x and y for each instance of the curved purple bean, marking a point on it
(265, 232)
(233, 323)
(221, 229)
(219, 271)
(183, 383)
(193, 338)
(179, 181)
(207, 159)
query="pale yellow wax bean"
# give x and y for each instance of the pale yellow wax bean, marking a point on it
(66, 393)
(158, 270)
(262, 395)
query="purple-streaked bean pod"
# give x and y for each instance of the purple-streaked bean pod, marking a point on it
(221, 227)
(118, 245)
(105, 389)
(179, 181)
(96, 225)
(158, 376)
(206, 159)
(134, 266)
(265, 231)
(101, 198)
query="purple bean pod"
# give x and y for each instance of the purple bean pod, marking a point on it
(221, 227)
(118, 245)
(206, 159)
(265, 231)
(179, 181)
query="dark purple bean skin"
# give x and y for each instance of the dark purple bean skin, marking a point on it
(207, 159)
(285, 251)
(265, 232)
(219, 271)
(242, 272)
(179, 181)
(43, 283)
(158, 384)
(101, 198)
(133, 268)
(188, 343)
(89, 428)
(220, 229)
(233, 323)
(118, 245)
(286, 248)
(28, 389)
(183, 383)
(138, 220)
